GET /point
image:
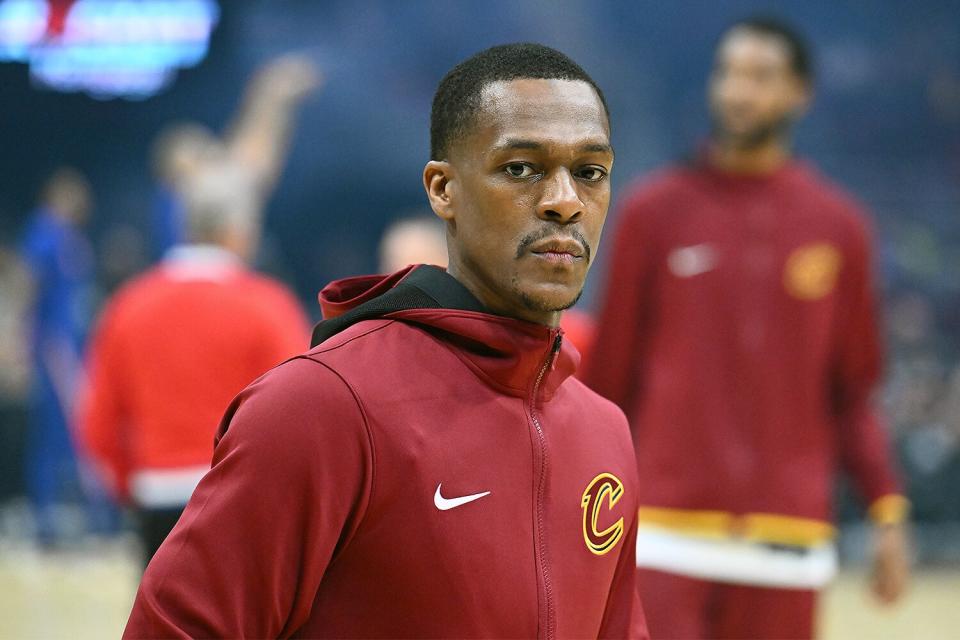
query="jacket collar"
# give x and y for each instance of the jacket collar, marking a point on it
(515, 356)
(200, 262)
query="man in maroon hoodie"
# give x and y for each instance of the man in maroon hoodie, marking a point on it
(431, 468)
(738, 334)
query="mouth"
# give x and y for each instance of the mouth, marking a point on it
(737, 119)
(558, 250)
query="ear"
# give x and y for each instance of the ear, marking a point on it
(438, 180)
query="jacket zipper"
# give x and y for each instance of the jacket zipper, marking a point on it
(541, 487)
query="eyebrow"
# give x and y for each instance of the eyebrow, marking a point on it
(515, 143)
(597, 147)
(533, 145)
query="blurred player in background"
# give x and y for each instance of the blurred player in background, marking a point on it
(739, 335)
(417, 239)
(60, 262)
(175, 345)
(257, 141)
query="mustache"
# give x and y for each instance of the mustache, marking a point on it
(761, 134)
(551, 232)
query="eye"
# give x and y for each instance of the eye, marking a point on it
(519, 170)
(592, 174)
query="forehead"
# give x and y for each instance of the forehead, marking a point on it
(746, 46)
(548, 111)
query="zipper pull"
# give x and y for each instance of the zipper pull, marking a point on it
(557, 343)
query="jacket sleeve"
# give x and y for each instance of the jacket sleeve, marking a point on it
(288, 486)
(864, 446)
(613, 367)
(102, 416)
(624, 617)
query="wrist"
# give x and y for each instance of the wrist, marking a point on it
(891, 509)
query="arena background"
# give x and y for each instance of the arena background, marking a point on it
(886, 124)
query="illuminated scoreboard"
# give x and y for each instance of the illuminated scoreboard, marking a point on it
(106, 48)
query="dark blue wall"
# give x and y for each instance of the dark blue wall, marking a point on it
(886, 122)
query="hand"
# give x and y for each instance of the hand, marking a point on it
(891, 563)
(288, 78)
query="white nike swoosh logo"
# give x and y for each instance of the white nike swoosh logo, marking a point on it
(449, 503)
(687, 262)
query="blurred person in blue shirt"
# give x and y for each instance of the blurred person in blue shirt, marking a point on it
(60, 262)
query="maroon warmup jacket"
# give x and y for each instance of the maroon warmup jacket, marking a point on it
(427, 470)
(738, 333)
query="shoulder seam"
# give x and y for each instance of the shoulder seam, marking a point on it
(318, 350)
(367, 430)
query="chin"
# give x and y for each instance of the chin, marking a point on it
(737, 134)
(550, 298)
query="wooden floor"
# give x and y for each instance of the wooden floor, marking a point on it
(87, 593)
(931, 610)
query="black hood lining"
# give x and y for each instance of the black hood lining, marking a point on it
(426, 287)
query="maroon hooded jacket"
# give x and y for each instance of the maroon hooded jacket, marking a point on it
(739, 335)
(427, 470)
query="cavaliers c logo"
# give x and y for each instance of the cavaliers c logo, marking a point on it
(600, 541)
(811, 271)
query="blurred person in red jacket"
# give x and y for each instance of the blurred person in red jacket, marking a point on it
(738, 333)
(176, 344)
(421, 239)
(431, 468)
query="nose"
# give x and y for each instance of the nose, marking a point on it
(735, 90)
(559, 200)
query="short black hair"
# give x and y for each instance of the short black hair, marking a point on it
(457, 100)
(801, 59)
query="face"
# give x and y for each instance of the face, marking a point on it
(525, 194)
(82, 204)
(72, 199)
(754, 92)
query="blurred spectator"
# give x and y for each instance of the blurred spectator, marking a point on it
(14, 372)
(177, 343)
(917, 373)
(923, 400)
(14, 302)
(739, 335)
(60, 262)
(418, 239)
(256, 141)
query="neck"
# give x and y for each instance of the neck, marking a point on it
(763, 159)
(61, 213)
(496, 302)
(236, 243)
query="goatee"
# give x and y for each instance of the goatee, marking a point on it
(756, 137)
